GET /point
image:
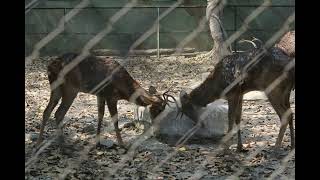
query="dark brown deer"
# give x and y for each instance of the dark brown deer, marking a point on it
(86, 76)
(259, 76)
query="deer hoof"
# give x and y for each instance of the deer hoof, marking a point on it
(241, 149)
(122, 145)
(67, 151)
(225, 146)
(98, 144)
(39, 141)
(60, 140)
(120, 142)
(277, 152)
(277, 147)
(125, 148)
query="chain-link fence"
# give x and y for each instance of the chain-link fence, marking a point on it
(149, 27)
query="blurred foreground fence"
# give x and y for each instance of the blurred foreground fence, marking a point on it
(119, 24)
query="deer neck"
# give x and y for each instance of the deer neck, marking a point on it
(206, 93)
(141, 97)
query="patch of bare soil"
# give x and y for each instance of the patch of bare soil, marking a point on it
(152, 159)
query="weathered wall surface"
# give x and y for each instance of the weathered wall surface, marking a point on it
(45, 16)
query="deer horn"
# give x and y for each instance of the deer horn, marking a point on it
(256, 39)
(179, 110)
(244, 40)
(166, 97)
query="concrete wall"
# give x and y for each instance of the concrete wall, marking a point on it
(44, 18)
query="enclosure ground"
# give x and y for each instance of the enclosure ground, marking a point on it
(260, 126)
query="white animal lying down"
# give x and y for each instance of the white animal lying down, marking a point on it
(214, 124)
(215, 117)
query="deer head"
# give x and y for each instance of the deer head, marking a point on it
(157, 108)
(188, 108)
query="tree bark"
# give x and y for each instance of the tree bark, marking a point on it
(218, 34)
(213, 14)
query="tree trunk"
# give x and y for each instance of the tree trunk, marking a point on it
(218, 34)
(213, 14)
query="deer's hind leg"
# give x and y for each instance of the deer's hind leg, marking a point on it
(279, 99)
(112, 107)
(101, 110)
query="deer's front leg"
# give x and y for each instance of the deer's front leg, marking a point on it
(112, 106)
(101, 108)
(55, 96)
(235, 109)
(68, 96)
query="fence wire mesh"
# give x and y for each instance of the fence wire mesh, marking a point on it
(72, 168)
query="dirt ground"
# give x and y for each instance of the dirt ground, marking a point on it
(152, 159)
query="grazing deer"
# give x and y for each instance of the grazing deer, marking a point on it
(259, 76)
(86, 76)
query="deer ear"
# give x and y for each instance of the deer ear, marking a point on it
(146, 100)
(152, 90)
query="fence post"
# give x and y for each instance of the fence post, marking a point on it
(158, 35)
(64, 20)
(235, 26)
